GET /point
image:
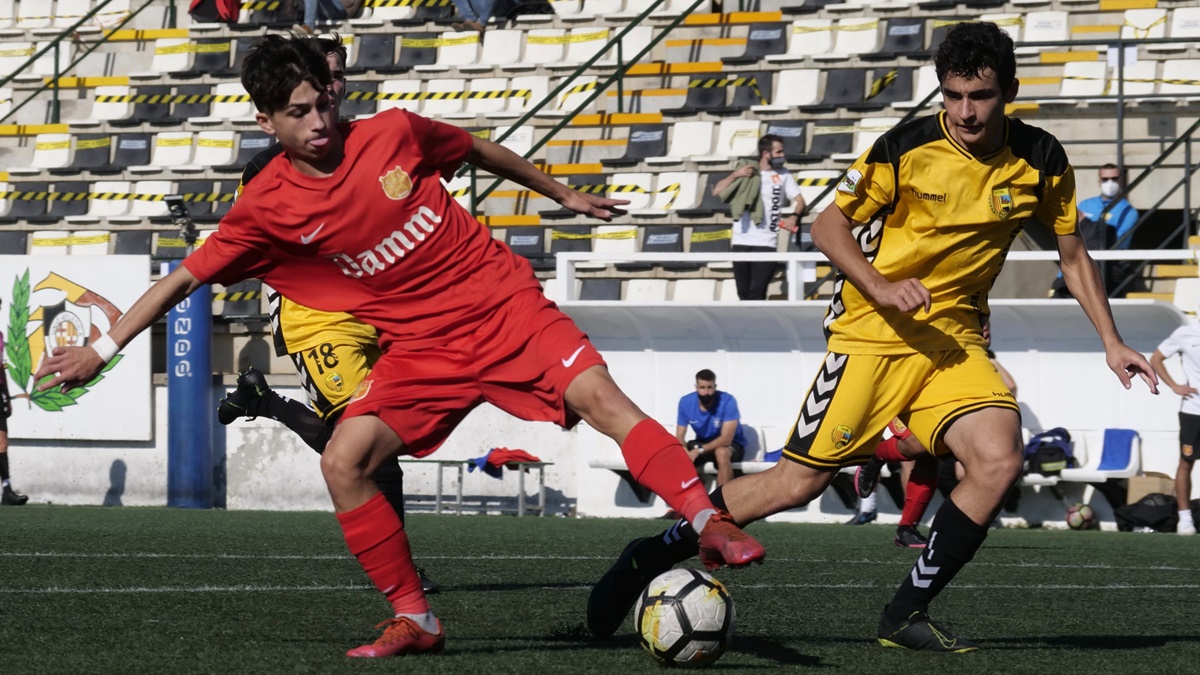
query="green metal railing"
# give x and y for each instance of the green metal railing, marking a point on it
(54, 45)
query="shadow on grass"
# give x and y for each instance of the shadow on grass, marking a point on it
(1088, 641)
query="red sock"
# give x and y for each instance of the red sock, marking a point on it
(375, 535)
(922, 483)
(889, 450)
(657, 460)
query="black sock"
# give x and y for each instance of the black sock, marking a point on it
(3, 460)
(389, 477)
(675, 545)
(953, 540)
(296, 416)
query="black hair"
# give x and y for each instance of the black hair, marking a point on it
(767, 143)
(706, 375)
(333, 44)
(1110, 165)
(276, 65)
(972, 47)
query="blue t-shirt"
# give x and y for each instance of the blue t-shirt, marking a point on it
(707, 423)
(1121, 217)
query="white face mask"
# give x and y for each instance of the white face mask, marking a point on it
(1109, 188)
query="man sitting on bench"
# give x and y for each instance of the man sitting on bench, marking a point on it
(713, 416)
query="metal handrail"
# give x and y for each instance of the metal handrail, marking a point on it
(54, 82)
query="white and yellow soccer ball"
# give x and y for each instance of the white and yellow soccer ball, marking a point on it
(685, 618)
(1081, 517)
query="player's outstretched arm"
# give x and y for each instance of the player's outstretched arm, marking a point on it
(1085, 283)
(75, 366)
(832, 233)
(501, 161)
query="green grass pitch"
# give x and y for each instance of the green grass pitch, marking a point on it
(150, 590)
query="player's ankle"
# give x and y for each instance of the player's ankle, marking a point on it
(701, 519)
(426, 620)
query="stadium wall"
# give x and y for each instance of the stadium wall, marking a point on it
(764, 353)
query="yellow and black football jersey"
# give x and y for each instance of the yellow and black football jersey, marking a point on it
(295, 327)
(936, 213)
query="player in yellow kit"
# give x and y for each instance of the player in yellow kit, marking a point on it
(919, 230)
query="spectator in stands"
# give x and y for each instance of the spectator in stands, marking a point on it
(214, 11)
(473, 14)
(321, 10)
(9, 496)
(757, 192)
(1184, 341)
(1105, 224)
(713, 416)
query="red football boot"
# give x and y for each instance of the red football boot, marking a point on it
(723, 543)
(402, 636)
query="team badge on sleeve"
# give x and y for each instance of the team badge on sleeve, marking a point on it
(849, 184)
(396, 184)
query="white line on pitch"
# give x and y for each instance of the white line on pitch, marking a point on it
(183, 589)
(815, 561)
(984, 587)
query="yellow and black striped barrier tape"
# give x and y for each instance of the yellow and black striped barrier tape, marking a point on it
(729, 82)
(53, 196)
(259, 5)
(882, 83)
(173, 98)
(236, 296)
(437, 95)
(406, 3)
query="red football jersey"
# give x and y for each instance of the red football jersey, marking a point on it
(381, 238)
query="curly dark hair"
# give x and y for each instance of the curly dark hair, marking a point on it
(276, 65)
(973, 46)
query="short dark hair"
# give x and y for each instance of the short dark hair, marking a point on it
(333, 44)
(706, 375)
(767, 143)
(276, 65)
(1110, 165)
(973, 46)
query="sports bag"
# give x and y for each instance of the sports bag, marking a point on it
(1049, 452)
(1155, 511)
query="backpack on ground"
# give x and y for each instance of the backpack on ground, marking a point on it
(1155, 511)
(1049, 452)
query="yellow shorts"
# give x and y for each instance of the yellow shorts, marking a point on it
(331, 370)
(854, 397)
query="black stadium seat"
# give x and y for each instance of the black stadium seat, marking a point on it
(902, 37)
(133, 242)
(132, 150)
(71, 200)
(645, 140)
(197, 207)
(92, 153)
(355, 103)
(571, 244)
(710, 204)
(31, 210)
(745, 96)
(418, 56)
(147, 110)
(699, 98)
(250, 143)
(824, 145)
(186, 110)
(764, 39)
(212, 58)
(530, 243)
(843, 86)
(375, 51)
(888, 86)
(793, 133)
(600, 289)
(14, 243)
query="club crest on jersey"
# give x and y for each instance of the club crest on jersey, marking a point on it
(1002, 202)
(849, 183)
(841, 436)
(396, 183)
(361, 391)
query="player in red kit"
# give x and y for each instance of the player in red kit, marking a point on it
(354, 218)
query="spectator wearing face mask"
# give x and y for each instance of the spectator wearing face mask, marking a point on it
(758, 192)
(1120, 217)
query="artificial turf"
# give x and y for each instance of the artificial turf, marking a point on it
(151, 590)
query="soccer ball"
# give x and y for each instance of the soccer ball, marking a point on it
(685, 618)
(1080, 517)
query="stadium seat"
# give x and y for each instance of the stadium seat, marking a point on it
(196, 194)
(132, 242)
(149, 108)
(735, 138)
(569, 100)
(1179, 78)
(1009, 23)
(243, 302)
(14, 55)
(72, 199)
(197, 104)
(727, 291)
(385, 13)
(694, 290)
(530, 243)
(485, 106)
(1081, 81)
(586, 42)
(538, 87)
(459, 49)
(662, 239)
(8, 14)
(376, 52)
(599, 9)
(502, 47)
(700, 99)
(749, 94)
(809, 37)
(712, 239)
(852, 36)
(213, 148)
(645, 141)
(168, 246)
(888, 87)
(796, 87)
(240, 50)
(709, 204)
(171, 149)
(212, 58)
(646, 290)
(32, 207)
(637, 200)
(903, 37)
(90, 242)
(151, 207)
(543, 46)
(49, 243)
(416, 50)
(519, 141)
(1144, 24)
(50, 151)
(830, 137)
(1052, 26)
(815, 183)
(866, 132)
(1120, 457)
(171, 55)
(794, 138)
(359, 101)
(843, 87)
(1185, 23)
(103, 111)
(14, 242)
(1140, 79)
(763, 39)
(249, 144)
(399, 87)
(571, 239)
(102, 207)
(926, 83)
(92, 152)
(600, 289)
(434, 107)
(225, 112)
(637, 39)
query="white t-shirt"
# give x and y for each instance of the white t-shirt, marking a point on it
(778, 192)
(1185, 341)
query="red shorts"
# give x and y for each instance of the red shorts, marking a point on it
(520, 359)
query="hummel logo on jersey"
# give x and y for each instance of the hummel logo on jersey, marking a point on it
(307, 238)
(568, 362)
(394, 247)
